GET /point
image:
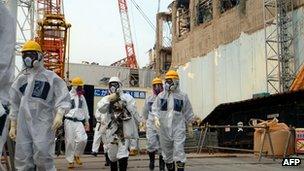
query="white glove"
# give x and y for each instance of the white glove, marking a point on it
(156, 122)
(58, 119)
(142, 126)
(190, 130)
(112, 97)
(12, 132)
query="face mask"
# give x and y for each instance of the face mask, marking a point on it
(114, 87)
(158, 88)
(79, 91)
(31, 59)
(28, 62)
(171, 85)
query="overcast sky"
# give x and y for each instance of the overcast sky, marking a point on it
(96, 33)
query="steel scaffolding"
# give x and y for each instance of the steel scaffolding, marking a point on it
(24, 13)
(280, 62)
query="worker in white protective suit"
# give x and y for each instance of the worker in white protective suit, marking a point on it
(172, 111)
(76, 123)
(123, 118)
(152, 134)
(7, 63)
(100, 135)
(39, 100)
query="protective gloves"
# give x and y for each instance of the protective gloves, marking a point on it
(190, 130)
(112, 97)
(58, 119)
(156, 122)
(12, 132)
(142, 126)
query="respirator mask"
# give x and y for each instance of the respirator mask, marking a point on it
(171, 85)
(31, 59)
(157, 88)
(114, 87)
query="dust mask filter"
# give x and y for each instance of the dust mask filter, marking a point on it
(31, 59)
(114, 87)
(28, 62)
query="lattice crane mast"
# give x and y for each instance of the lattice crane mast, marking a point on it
(52, 34)
(130, 61)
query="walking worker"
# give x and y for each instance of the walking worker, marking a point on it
(7, 64)
(76, 123)
(151, 132)
(122, 117)
(172, 111)
(100, 135)
(39, 100)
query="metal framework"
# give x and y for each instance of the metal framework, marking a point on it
(52, 34)
(130, 61)
(280, 67)
(24, 13)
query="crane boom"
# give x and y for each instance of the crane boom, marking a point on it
(130, 60)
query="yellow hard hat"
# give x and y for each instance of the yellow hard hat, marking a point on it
(31, 46)
(77, 81)
(157, 81)
(172, 74)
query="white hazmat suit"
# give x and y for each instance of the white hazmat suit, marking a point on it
(119, 151)
(152, 133)
(75, 134)
(36, 95)
(173, 110)
(7, 63)
(99, 132)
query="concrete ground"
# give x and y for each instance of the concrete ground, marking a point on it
(216, 162)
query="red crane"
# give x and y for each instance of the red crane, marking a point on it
(52, 34)
(130, 60)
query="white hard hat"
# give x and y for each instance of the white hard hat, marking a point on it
(115, 79)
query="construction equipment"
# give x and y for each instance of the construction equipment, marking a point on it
(53, 35)
(280, 58)
(130, 60)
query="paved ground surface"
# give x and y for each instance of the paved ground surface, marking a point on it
(216, 162)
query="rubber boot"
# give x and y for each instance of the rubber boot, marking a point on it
(161, 163)
(94, 154)
(123, 164)
(152, 160)
(113, 166)
(70, 166)
(77, 160)
(107, 159)
(180, 166)
(170, 166)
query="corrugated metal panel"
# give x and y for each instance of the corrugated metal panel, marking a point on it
(232, 72)
(92, 74)
(145, 77)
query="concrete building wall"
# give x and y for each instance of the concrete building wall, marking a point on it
(233, 71)
(92, 74)
(223, 29)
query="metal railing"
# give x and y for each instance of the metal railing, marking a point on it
(206, 128)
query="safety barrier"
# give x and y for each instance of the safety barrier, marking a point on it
(206, 128)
